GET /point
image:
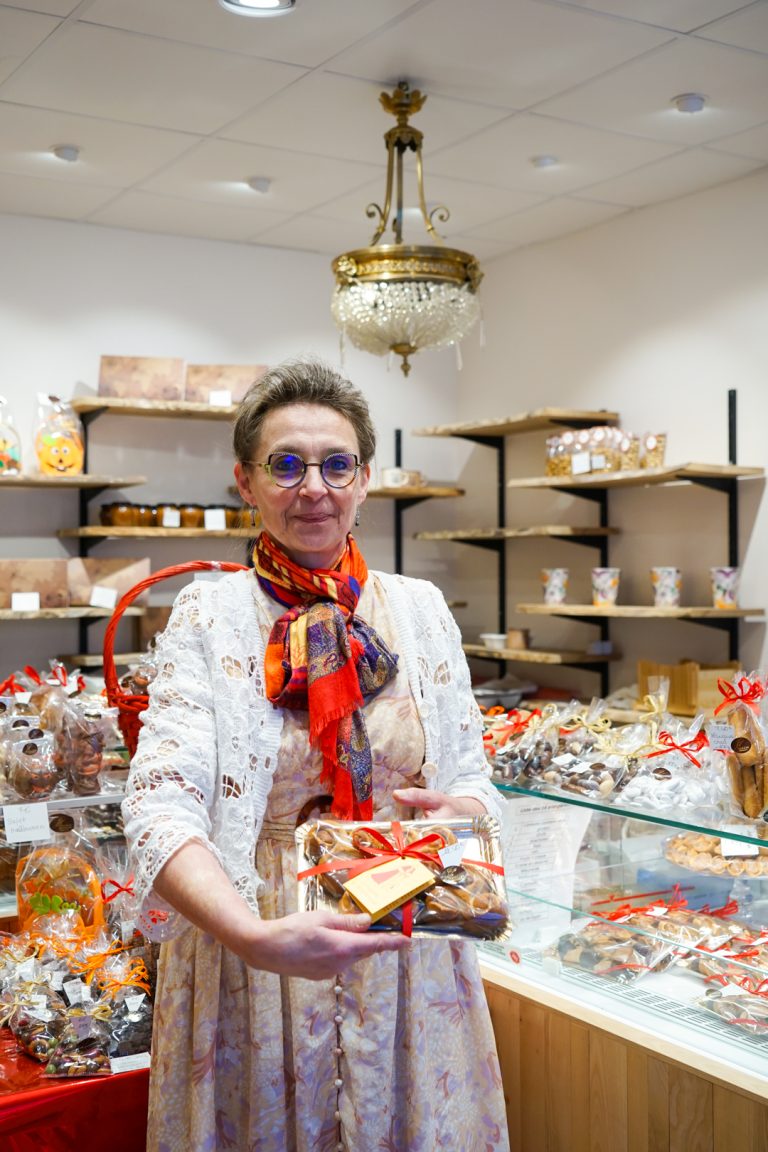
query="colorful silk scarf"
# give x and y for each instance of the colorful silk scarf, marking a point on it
(322, 658)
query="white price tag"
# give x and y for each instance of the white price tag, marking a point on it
(171, 518)
(103, 597)
(215, 519)
(129, 1063)
(76, 991)
(26, 970)
(720, 735)
(222, 397)
(450, 856)
(581, 463)
(25, 601)
(732, 990)
(133, 1003)
(26, 822)
(736, 847)
(22, 697)
(598, 462)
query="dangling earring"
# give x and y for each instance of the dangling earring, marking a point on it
(253, 516)
(357, 517)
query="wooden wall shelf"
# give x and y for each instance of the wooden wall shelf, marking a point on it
(95, 531)
(638, 611)
(540, 419)
(160, 408)
(86, 480)
(83, 613)
(642, 477)
(537, 531)
(535, 655)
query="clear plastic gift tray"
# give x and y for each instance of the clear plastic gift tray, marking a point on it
(467, 899)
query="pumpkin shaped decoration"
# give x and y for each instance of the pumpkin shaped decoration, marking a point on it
(59, 442)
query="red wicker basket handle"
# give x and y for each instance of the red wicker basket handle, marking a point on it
(110, 675)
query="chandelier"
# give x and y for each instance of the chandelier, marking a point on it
(400, 297)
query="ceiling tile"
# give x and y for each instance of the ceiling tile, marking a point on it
(332, 115)
(146, 213)
(310, 35)
(754, 142)
(546, 221)
(678, 175)
(217, 169)
(49, 7)
(637, 98)
(20, 34)
(502, 155)
(469, 204)
(506, 58)
(678, 15)
(312, 233)
(58, 199)
(745, 29)
(111, 153)
(122, 76)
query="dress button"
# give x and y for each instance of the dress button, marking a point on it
(338, 1051)
(338, 1019)
(338, 1082)
(338, 989)
(337, 1115)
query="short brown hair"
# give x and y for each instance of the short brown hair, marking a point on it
(301, 382)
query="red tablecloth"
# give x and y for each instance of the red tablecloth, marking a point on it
(43, 1115)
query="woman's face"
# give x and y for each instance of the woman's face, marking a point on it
(310, 521)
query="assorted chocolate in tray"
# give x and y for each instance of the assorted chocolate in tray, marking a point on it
(440, 876)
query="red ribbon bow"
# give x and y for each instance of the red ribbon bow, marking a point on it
(688, 747)
(10, 686)
(127, 888)
(746, 690)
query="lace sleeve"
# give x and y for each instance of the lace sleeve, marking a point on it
(170, 790)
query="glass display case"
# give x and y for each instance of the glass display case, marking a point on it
(646, 924)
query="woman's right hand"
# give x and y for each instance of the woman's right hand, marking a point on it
(316, 945)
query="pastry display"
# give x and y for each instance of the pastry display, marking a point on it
(703, 853)
(463, 890)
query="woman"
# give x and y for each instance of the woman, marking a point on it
(305, 685)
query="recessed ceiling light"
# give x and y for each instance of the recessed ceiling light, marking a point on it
(544, 161)
(258, 7)
(260, 184)
(67, 152)
(689, 102)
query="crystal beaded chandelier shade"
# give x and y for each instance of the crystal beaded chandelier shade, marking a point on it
(398, 297)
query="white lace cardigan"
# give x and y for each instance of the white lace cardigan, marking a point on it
(209, 741)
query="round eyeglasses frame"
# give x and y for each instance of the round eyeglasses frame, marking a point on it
(329, 479)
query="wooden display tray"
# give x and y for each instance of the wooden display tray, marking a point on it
(536, 655)
(85, 480)
(565, 531)
(638, 611)
(641, 477)
(538, 419)
(97, 531)
(120, 407)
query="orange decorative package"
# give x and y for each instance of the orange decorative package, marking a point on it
(419, 877)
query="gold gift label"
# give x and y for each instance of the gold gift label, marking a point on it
(386, 886)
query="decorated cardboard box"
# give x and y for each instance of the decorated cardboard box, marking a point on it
(141, 378)
(105, 581)
(47, 578)
(220, 383)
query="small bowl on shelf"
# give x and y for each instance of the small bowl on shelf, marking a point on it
(495, 640)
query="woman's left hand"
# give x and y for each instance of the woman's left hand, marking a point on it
(439, 805)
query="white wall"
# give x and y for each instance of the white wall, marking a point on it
(71, 293)
(656, 314)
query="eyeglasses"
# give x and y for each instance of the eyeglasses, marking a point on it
(286, 469)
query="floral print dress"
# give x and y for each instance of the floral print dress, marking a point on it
(396, 1055)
